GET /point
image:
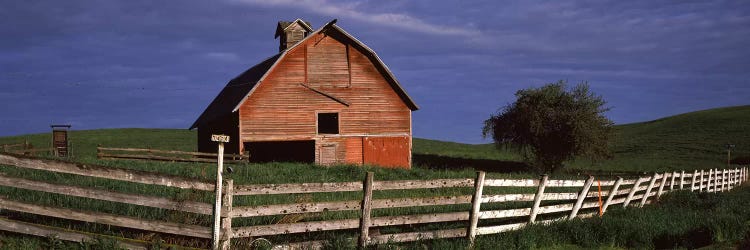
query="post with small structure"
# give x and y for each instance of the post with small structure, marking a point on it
(221, 139)
(60, 140)
(364, 222)
(476, 202)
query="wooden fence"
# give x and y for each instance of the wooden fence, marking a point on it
(163, 155)
(98, 194)
(478, 206)
(24, 148)
(562, 204)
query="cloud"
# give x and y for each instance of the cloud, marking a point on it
(353, 11)
(222, 56)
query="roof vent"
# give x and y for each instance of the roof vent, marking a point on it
(291, 33)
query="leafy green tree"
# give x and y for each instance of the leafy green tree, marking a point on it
(550, 125)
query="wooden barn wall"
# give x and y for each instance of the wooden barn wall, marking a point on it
(225, 125)
(387, 151)
(281, 108)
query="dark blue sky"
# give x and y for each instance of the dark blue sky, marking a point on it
(111, 64)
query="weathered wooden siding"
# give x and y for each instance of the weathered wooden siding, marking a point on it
(281, 108)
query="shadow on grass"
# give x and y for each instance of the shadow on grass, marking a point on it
(439, 162)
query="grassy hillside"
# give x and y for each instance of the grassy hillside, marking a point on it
(688, 141)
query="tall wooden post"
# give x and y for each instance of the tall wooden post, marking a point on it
(538, 198)
(476, 203)
(364, 222)
(226, 218)
(221, 139)
(648, 189)
(581, 197)
(612, 194)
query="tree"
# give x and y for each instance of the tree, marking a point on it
(550, 125)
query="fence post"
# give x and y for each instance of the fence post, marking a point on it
(738, 176)
(716, 180)
(692, 182)
(217, 202)
(682, 180)
(632, 192)
(701, 184)
(612, 194)
(581, 197)
(226, 218)
(708, 180)
(671, 183)
(538, 198)
(476, 202)
(364, 223)
(648, 189)
(661, 186)
(724, 179)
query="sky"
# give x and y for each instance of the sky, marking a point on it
(158, 64)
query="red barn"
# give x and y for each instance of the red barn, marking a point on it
(325, 98)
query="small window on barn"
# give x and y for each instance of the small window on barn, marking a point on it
(328, 123)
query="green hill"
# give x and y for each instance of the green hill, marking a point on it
(692, 140)
(688, 141)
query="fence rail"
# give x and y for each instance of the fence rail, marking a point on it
(24, 148)
(119, 174)
(164, 155)
(486, 205)
(565, 204)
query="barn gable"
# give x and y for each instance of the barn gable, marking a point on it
(239, 88)
(326, 99)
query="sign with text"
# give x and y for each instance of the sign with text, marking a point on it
(220, 138)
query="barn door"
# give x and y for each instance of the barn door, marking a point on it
(327, 154)
(387, 151)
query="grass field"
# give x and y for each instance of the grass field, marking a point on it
(689, 141)
(683, 142)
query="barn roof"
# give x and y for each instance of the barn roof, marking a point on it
(235, 91)
(241, 87)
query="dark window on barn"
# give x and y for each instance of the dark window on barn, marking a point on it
(328, 123)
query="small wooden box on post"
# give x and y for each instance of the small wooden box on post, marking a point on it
(60, 140)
